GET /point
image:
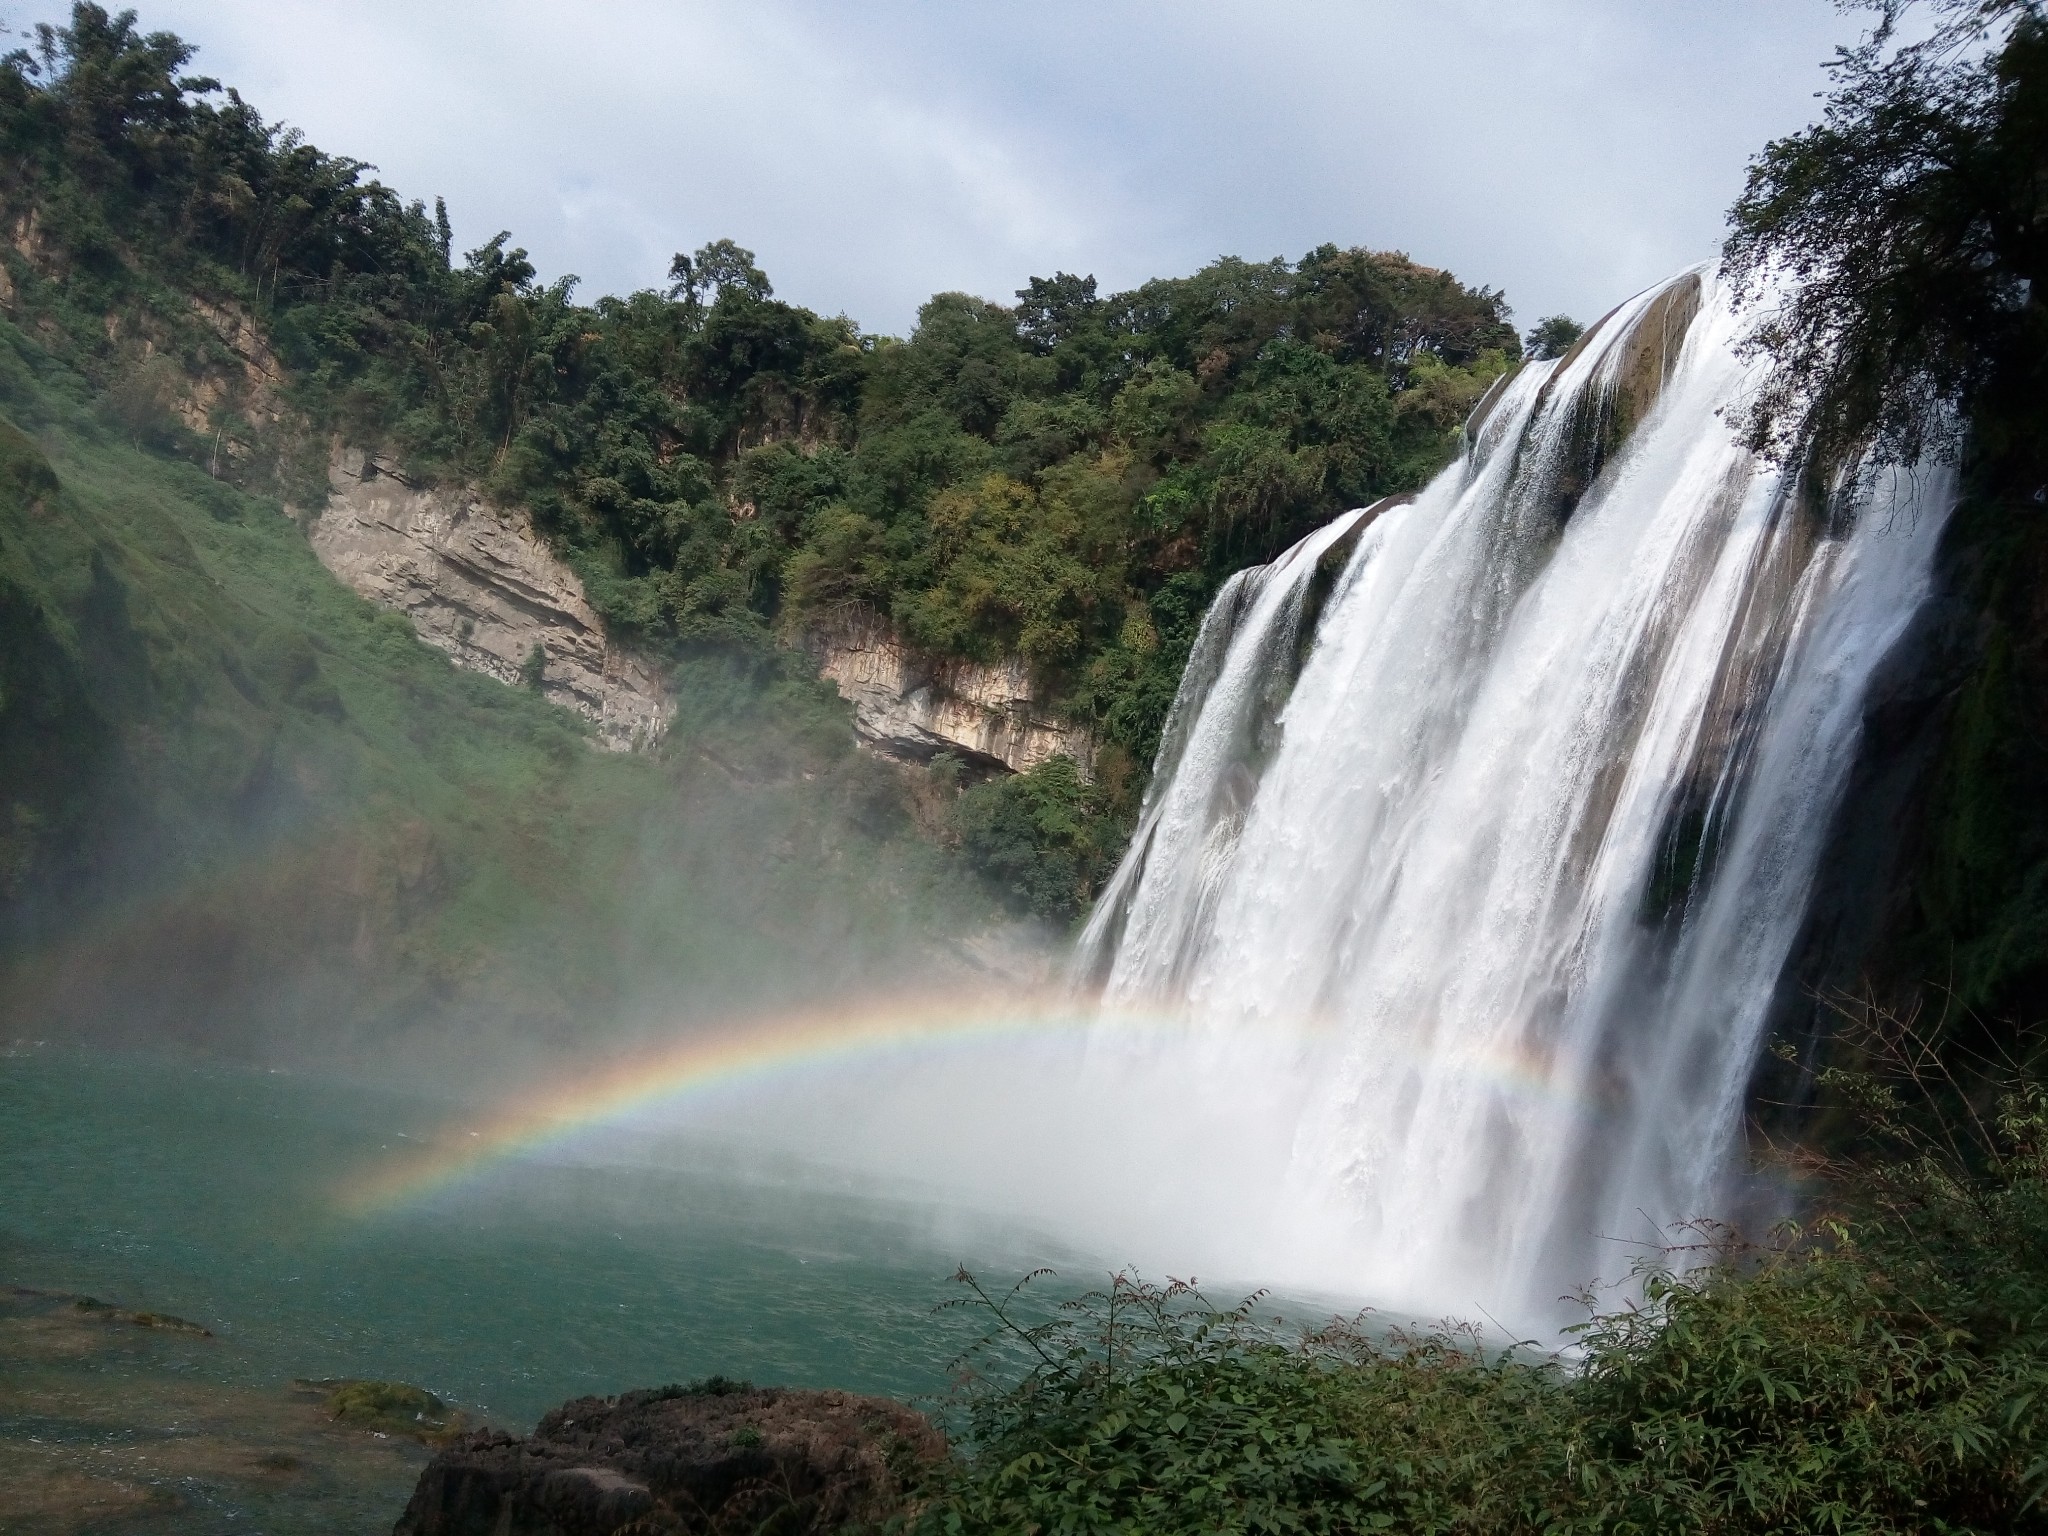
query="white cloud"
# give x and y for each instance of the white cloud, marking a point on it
(1569, 151)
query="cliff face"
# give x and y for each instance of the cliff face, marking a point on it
(479, 584)
(912, 707)
(1935, 881)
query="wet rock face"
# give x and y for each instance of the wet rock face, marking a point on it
(912, 708)
(479, 584)
(715, 1458)
(1603, 417)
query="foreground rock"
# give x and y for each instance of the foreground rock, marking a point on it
(715, 1457)
(478, 583)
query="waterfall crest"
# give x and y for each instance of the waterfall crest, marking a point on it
(1491, 816)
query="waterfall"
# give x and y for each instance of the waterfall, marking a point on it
(1491, 816)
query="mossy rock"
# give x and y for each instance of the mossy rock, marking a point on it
(711, 1456)
(390, 1408)
(165, 1322)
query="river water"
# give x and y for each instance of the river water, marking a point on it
(209, 1193)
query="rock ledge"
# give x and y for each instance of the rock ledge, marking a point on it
(912, 707)
(716, 1457)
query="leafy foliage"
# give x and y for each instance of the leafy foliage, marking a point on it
(1553, 336)
(242, 807)
(1910, 221)
(1045, 839)
(1147, 1409)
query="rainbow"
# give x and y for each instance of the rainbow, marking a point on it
(742, 1053)
(700, 1064)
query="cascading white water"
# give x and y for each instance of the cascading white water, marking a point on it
(1506, 871)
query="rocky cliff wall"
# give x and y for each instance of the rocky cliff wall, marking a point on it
(478, 583)
(913, 707)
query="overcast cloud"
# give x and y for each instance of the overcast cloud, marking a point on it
(872, 152)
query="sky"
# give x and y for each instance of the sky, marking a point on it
(873, 152)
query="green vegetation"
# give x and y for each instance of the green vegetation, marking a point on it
(391, 1408)
(241, 805)
(1911, 219)
(1067, 479)
(1884, 1368)
(1553, 336)
(1880, 1367)
(1044, 839)
(245, 808)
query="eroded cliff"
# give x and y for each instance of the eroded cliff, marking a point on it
(478, 583)
(912, 707)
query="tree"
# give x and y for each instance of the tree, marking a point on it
(1067, 480)
(717, 269)
(1896, 250)
(1552, 336)
(1052, 309)
(111, 80)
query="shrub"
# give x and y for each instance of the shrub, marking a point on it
(1044, 839)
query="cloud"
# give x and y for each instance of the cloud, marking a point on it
(1569, 151)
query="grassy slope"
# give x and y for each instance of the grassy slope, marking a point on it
(244, 806)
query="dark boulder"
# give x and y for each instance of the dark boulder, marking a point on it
(714, 1457)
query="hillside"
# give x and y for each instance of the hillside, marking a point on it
(1681, 921)
(248, 810)
(1058, 484)
(1049, 491)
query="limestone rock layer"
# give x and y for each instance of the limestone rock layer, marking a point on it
(478, 583)
(913, 707)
